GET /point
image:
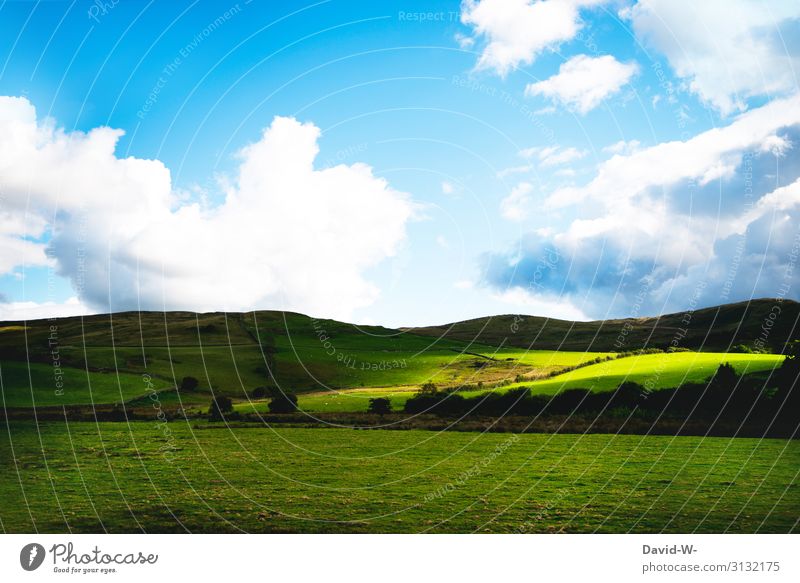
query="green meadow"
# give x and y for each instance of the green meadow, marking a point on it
(654, 371)
(139, 477)
(161, 471)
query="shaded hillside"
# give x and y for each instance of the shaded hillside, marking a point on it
(235, 354)
(768, 322)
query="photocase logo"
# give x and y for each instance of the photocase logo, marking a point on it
(31, 556)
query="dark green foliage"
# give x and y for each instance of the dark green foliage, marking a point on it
(259, 392)
(725, 378)
(787, 381)
(220, 405)
(282, 401)
(428, 389)
(189, 384)
(380, 406)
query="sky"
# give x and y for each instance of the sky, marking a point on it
(398, 163)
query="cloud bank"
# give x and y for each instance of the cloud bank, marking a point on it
(726, 51)
(286, 236)
(716, 217)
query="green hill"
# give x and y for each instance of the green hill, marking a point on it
(714, 329)
(104, 358)
(236, 353)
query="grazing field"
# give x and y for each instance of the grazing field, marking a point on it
(119, 477)
(656, 371)
(24, 385)
(233, 354)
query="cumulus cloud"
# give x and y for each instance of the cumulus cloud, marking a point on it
(287, 235)
(583, 82)
(623, 147)
(15, 311)
(515, 206)
(702, 218)
(706, 157)
(551, 305)
(726, 51)
(516, 31)
(511, 170)
(553, 155)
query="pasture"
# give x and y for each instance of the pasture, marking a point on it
(145, 476)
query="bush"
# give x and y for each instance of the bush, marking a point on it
(741, 348)
(568, 401)
(282, 401)
(428, 389)
(380, 406)
(259, 392)
(628, 394)
(725, 378)
(189, 384)
(219, 406)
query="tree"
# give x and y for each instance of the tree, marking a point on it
(629, 394)
(282, 401)
(380, 406)
(259, 392)
(219, 406)
(189, 384)
(725, 378)
(787, 380)
(427, 389)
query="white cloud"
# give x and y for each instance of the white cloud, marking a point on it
(703, 157)
(672, 221)
(553, 155)
(726, 51)
(465, 42)
(515, 206)
(516, 31)
(14, 311)
(447, 188)
(583, 82)
(506, 172)
(287, 236)
(552, 306)
(623, 147)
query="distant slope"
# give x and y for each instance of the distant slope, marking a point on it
(235, 353)
(713, 329)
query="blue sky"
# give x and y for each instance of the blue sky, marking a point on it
(574, 158)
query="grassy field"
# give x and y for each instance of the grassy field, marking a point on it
(656, 371)
(235, 353)
(119, 477)
(24, 385)
(653, 370)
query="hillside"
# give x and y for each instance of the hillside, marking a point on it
(711, 329)
(122, 357)
(235, 353)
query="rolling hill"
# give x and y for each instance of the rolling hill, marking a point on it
(105, 358)
(714, 329)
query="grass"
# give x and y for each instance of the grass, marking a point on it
(118, 477)
(234, 354)
(79, 387)
(654, 371)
